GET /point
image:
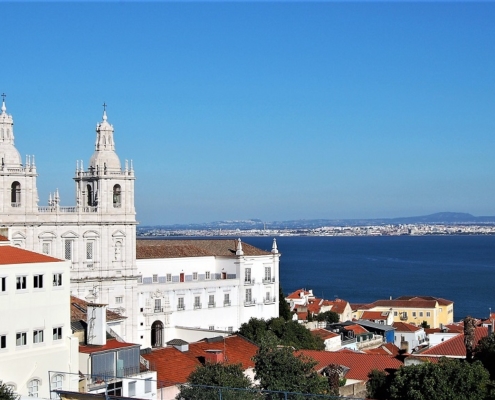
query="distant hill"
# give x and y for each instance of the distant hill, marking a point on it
(437, 218)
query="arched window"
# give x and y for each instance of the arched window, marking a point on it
(33, 387)
(15, 194)
(157, 334)
(89, 189)
(117, 196)
(56, 385)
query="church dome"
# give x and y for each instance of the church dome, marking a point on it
(105, 158)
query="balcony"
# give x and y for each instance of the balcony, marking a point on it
(227, 303)
(249, 282)
(158, 309)
(211, 305)
(181, 307)
(266, 281)
(269, 300)
(197, 306)
(250, 303)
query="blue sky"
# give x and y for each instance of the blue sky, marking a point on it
(261, 110)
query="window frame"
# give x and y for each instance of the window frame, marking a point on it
(57, 279)
(37, 334)
(21, 284)
(21, 338)
(38, 281)
(57, 333)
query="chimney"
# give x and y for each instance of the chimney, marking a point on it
(96, 318)
(213, 356)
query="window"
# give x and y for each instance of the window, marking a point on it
(247, 275)
(21, 282)
(248, 296)
(15, 194)
(421, 313)
(21, 338)
(89, 250)
(38, 281)
(147, 385)
(414, 313)
(169, 277)
(117, 201)
(57, 279)
(211, 300)
(428, 313)
(132, 388)
(3, 284)
(207, 275)
(57, 333)
(45, 248)
(395, 313)
(90, 195)
(33, 387)
(195, 276)
(119, 300)
(226, 299)
(180, 303)
(38, 336)
(230, 329)
(3, 341)
(197, 302)
(140, 279)
(158, 305)
(68, 250)
(155, 278)
(211, 327)
(57, 381)
(268, 274)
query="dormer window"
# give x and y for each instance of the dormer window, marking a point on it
(117, 196)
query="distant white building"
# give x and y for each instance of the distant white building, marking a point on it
(192, 289)
(35, 330)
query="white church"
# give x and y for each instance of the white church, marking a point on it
(185, 289)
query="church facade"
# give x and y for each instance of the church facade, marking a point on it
(97, 235)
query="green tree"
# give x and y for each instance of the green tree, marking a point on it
(450, 379)
(6, 393)
(255, 329)
(328, 316)
(485, 352)
(283, 306)
(377, 385)
(224, 376)
(277, 368)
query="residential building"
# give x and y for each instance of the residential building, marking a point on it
(332, 340)
(35, 330)
(192, 289)
(409, 337)
(414, 310)
(303, 301)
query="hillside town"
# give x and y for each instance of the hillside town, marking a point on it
(88, 310)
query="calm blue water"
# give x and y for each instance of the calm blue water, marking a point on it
(364, 269)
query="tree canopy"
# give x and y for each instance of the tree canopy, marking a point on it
(217, 374)
(288, 333)
(485, 352)
(6, 393)
(328, 316)
(283, 306)
(277, 368)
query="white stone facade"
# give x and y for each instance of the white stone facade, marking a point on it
(97, 235)
(35, 330)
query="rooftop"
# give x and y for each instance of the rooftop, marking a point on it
(111, 344)
(16, 255)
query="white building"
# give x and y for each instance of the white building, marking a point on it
(97, 234)
(35, 330)
(192, 289)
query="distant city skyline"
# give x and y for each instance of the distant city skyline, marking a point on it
(268, 110)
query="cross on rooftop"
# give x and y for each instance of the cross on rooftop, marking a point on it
(104, 106)
(4, 96)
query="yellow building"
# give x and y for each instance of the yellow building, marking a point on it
(413, 310)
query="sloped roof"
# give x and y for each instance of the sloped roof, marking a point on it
(388, 349)
(78, 311)
(193, 248)
(111, 344)
(359, 364)
(3, 238)
(297, 294)
(404, 327)
(338, 305)
(174, 366)
(324, 333)
(454, 347)
(357, 329)
(375, 315)
(16, 255)
(442, 302)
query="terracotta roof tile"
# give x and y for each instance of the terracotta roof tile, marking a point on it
(454, 347)
(296, 294)
(404, 327)
(3, 238)
(174, 366)
(192, 248)
(360, 364)
(323, 333)
(357, 329)
(15, 255)
(375, 315)
(388, 349)
(78, 311)
(111, 345)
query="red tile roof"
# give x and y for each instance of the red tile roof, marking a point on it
(360, 364)
(454, 347)
(357, 329)
(3, 238)
(338, 305)
(389, 349)
(111, 345)
(193, 248)
(15, 255)
(375, 315)
(174, 366)
(296, 294)
(324, 333)
(404, 327)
